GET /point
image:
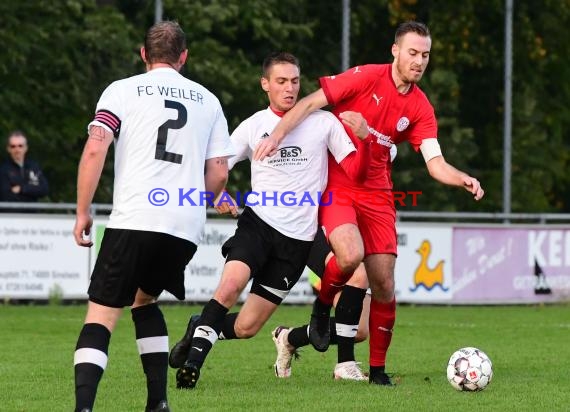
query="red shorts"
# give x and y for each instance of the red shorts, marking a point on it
(373, 212)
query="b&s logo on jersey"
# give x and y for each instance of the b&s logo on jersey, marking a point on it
(403, 124)
(290, 151)
(288, 156)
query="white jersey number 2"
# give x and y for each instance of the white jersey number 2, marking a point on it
(178, 123)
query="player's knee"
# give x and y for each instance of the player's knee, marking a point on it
(382, 289)
(228, 292)
(389, 286)
(349, 260)
(383, 296)
(245, 331)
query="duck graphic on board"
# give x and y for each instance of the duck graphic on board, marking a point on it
(427, 277)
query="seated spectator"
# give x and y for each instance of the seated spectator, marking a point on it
(21, 179)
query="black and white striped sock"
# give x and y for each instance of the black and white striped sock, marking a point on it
(152, 344)
(90, 360)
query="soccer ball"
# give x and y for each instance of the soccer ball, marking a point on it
(469, 369)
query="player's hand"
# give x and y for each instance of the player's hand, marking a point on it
(356, 122)
(82, 230)
(266, 147)
(227, 205)
(474, 186)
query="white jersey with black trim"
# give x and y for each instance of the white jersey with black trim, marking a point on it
(286, 187)
(165, 127)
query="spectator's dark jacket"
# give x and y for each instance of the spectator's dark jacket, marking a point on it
(29, 177)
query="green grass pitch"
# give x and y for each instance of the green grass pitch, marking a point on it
(529, 347)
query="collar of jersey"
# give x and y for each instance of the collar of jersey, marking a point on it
(278, 113)
(164, 69)
(402, 94)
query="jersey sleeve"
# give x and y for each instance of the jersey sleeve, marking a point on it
(354, 162)
(342, 86)
(240, 141)
(338, 142)
(219, 144)
(110, 110)
(425, 127)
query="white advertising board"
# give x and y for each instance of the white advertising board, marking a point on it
(423, 268)
(39, 258)
(437, 262)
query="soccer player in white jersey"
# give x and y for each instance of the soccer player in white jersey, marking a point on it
(169, 133)
(349, 326)
(275, 232)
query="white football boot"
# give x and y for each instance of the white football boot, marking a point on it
(349, 371)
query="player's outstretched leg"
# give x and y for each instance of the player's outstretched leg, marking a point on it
(179, 352)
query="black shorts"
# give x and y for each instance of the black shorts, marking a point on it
(318, 254)
(133, 259)
(276, 261)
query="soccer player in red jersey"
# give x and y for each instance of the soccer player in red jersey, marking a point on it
(396, 110)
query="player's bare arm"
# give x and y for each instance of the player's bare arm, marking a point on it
(304, 107)
(216, 175)
(445, 173)
(225, 203)
(89, 173)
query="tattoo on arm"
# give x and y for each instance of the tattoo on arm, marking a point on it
(221, 160)
(97, 133)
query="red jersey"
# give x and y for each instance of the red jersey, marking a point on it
(392, 118)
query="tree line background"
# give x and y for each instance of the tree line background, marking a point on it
(57, 57)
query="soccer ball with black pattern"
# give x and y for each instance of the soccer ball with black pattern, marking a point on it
(469, 369)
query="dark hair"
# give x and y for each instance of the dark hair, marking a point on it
(15, 133)
(278, 58)
(411, 27)
(164, 42)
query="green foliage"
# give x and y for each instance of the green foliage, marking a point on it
(458, 145)
(541, 117)
(228, 40)
(59, 56)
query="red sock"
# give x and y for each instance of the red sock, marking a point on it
(333, 280)
(381, 322)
